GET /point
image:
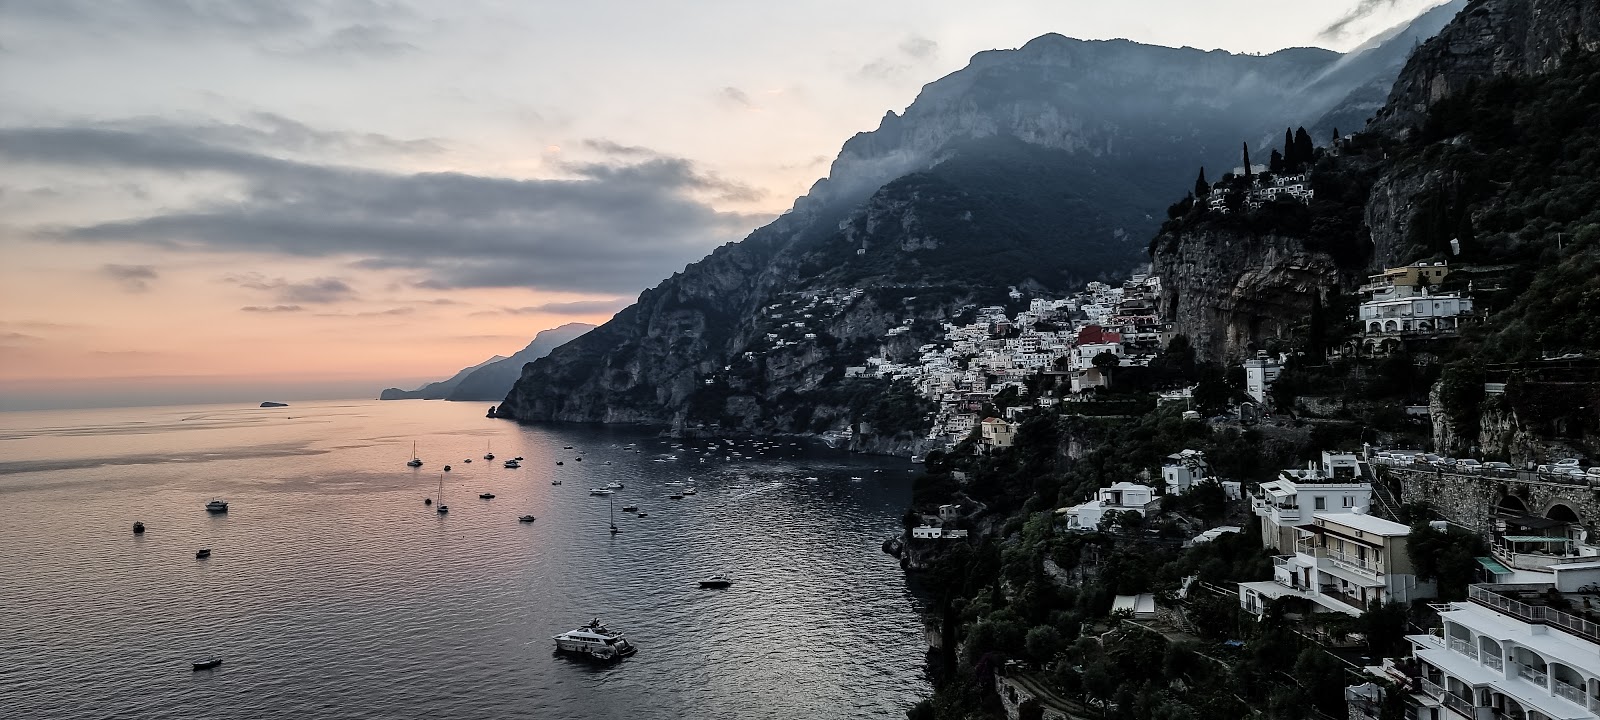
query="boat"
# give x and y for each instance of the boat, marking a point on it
(558, 462)
(614, 528)
(856, 478)
(488, 453)
(513, 464)
(517, 458)
(566, 447)
(467, 460)
(608, 462)
(217, 506)
(414, 461)
(676, 496)
(207, 664)
(644, 514)
(447, 468)
(427, 501)
(202, 553)
(138, 528)
(555, 482)
(716, 581)
(526, 518)
(690, 491)
(595, 641)
(614, 486)
(577, 459)
(485, 496)
(442, 508)
(630, 508)
(600, 491)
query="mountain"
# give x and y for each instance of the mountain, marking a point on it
(1376, 63)
(436, 390)
(492, 380)
(1041, 167)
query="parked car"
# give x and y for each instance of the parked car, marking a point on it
(1498, 468)
(1469, 465)
(1594, 472)
(1569, 462)
(1431, 459)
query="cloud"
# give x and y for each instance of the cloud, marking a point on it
(577, 307)
(272, 308)
(314, 291)
(608, 147)
(132, 278)
(1362, 10)
(16, 338)
(608, 228)
(356, 41)
(736, 96)
(911, 52)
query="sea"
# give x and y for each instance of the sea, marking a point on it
(333, 591)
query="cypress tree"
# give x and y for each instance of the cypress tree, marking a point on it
(1276, 164)
(1249, 175)
(1304, 150)
(1201, 187)
(1288, 148)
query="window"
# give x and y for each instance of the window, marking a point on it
(1349, 501)
(1321, 503)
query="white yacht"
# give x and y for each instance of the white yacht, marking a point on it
(513, 464)
(596, 641)
(600, 491)
(614, 486)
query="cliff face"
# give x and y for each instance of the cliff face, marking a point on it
(1489, 38)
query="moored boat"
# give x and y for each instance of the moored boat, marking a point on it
(202, 553)
(138, 528)
(486, 496)
(527, 518)
(716, 581)
(207, 664)
(513, 464)
(595, 641)
(217, 506)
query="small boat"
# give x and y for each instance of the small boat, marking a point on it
(138, 528)
(558, 462)
(716, 581)
(577, 459)
(811, 479)
(447, 468)
(608, 462)
(415, 461)
(644, 514)
(600, 491)
(689, 491)
(485, 496)
(217, 506)
(856, 478)
(566, 447)
(207, 664)
(630, 508)
(595, 641)
(526, 518)
(614, 486)
(488, 453)
(555, 482)
(467, 460)
(427, 501)
(202, 553)
(513, 464)
(519, 457)
(442, 508)
(676, 496)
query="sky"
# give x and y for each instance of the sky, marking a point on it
(233, 200)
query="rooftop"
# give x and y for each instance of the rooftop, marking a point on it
(1365, 523)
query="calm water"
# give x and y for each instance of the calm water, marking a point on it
(332, 591)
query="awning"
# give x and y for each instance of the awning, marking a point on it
(1532, 539)
(1493, 566)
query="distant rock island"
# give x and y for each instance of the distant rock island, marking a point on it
(492, 378)
(269, 403)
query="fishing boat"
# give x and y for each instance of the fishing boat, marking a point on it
(595, 641)
(442, 508)
(207, 664)
(414, 461)
(217, 506)
(717, 581)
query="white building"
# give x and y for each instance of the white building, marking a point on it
(1119, 497)
(1510, 653)
(1259, 374)
(1288, 503)
(1425, 314)
(1344, 562)
(1181, 470)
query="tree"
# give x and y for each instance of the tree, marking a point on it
(1275, 164)
(1201, 187)
(1042, 643)
(1249, 173)
(1385, 628)
(1305, 151)
(1288, 147)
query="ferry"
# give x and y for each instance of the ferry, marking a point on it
(595, 641)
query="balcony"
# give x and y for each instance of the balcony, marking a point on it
(1495, 662)
(1460, 705)
(1503, 599)
(1370, 566)
(1431, 688)
(1286, 513)
(1465, 647)
(1569, 692)
(1533, 675)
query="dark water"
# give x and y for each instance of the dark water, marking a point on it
(333, 592)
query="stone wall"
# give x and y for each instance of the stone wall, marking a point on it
(1470, 500)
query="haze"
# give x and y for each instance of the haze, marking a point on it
(216, 201)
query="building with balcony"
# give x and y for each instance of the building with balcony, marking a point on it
(1181, 470)
(1259, 374)
(1405, 282)
(1288, 503)
(1344, 562)
(1510, 652)
(997, 433)
(1121, 497)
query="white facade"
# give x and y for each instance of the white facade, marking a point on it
(1343, 562)
(1288, 503)
(1182, 470)
(1259, 374)
(1120, 497)
(1422, 315)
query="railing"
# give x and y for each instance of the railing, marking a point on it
(1287, 513)
(1365, 566)
(1431, 688)
(1594, 703)
(1495, 662)
(1537, 677)
(1459, 704)
(1570, 692)
(1487, 596)
(1465, 647)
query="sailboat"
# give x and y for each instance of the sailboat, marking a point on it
(443, 508)
(415, 461)
(614, 528)
(489, 450)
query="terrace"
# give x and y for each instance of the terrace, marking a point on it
(1540, 604)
